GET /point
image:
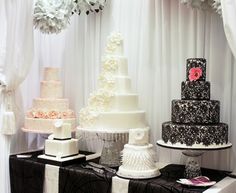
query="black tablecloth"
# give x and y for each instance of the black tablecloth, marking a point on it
(166, 183)
(27, 176)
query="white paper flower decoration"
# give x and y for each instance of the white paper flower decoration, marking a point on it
(88, 6)
(204, 4)
(51, 16)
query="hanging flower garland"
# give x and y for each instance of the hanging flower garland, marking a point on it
(52, 16)
(204, 4)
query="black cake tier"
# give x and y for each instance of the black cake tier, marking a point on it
(195, 111)
(194, 63)
(190, 134)
(199, 90)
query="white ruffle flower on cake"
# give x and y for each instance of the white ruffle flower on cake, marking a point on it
(51, 16)
(100, 100)
(107, 81)
(114, 40)
(87, 116)
(110, 64)
(204, 4)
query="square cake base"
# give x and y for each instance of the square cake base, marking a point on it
(62, 161)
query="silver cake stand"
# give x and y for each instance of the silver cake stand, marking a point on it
(113, 143)
(192, 166)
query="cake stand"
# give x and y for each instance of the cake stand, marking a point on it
(192, 167)
(113, 143)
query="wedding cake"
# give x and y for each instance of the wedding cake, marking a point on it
(113, 107)
(60, 148)
(50, 106)
(60, 144)
(195, 120)
(138, 156)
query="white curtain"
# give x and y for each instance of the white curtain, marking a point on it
(229, 15)
(16, 54)
(158, 38)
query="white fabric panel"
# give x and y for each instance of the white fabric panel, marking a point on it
(119, 185)
(229, 15)
(158, 37)
(51, 179)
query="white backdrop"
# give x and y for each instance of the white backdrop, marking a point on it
(159, 36)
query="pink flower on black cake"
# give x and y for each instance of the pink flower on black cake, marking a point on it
(195, 74)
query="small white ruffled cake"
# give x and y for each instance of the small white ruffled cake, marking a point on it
(138, 156)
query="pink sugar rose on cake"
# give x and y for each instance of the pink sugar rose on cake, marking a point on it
(195, 74)
(39, 114)
(53, 115)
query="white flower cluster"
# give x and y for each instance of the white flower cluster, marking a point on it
(114, 40)
(106, 81)
(100, 100)
(51, 16)
(87, 116)
(88, 6)
(110, 64)
(204, 4)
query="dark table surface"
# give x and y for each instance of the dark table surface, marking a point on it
(27, 176)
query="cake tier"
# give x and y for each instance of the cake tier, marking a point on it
(61, 148)
(138, 162)
(191, 134)
(62, 132)
(139, 136)
(122, 84)
(51, 104)
(117, 120)
(196, 63)
(51, 73)
(38, 125)
(115, 64)
(123, 102)
(138, 158)
(193, 111)
(51, 89)
(199, 90)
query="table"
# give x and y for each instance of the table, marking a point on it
(27, 176)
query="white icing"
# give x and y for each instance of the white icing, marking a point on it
(118, 120)
(61, 148)
(139, 136)
(115, 44)
(51, 89)
(51, 74)
(63, 131)
(44, 125)
(194, 146)
(51, 104)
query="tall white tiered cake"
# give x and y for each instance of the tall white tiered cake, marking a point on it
(50, 106)
(113, 106)
(138, 156)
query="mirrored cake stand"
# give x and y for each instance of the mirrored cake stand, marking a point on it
(113, 143)
(192, 166)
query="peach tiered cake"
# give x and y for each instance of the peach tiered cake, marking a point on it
(50, 106)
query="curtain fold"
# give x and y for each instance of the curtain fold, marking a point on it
(16, 54)
(159, 36)
(229, 15)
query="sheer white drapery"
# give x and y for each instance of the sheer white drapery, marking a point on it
(229, 16)
(16, 44)
(159, 36)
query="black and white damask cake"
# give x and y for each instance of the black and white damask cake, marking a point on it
(195, 119)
